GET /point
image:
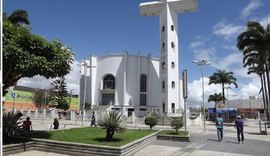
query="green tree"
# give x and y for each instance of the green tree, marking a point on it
(254, 42)
(215, 98)
(41, 98)
(59, 89)
(176, 124)
(222, 77)
(151, 121)
(111, 121)
(26, 54)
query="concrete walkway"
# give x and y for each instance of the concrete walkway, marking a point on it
(201, 144)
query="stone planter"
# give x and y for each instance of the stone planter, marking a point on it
(173, 137)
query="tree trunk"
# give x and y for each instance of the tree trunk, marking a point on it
(109, 135)
(266, 97)
(223, 96)
(268, 90)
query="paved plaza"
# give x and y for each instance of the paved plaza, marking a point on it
(201, 144)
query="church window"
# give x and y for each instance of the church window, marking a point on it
(173, 107)
(163, 65)
(109, 82)
(173, 65)
(172, 44)
(143, 83)
(163, 107)
(163, 45)
(143, 99)
(173, 84)
(163, 28)
(163, 84)
(172, 27)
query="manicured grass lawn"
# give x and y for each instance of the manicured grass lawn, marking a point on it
(94, 135)
(172, 132)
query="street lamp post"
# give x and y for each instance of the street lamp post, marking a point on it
(227, 92)
(201, 63)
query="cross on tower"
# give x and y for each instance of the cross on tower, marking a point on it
(167, 10)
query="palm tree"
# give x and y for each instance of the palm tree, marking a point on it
(12, 124)
(111, 121)
(215, 98)
(255, 45)
(222, 77)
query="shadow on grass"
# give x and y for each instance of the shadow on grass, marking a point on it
(104, 140)
(37, 134)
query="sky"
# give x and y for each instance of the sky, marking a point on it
(94, 27)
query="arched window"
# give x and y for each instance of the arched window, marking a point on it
(163, 84)
(109, 82)
(172, 27)
(172, 44)
(143, 83)
(173, 84)
(163, 45)
(163, 28)
(173, 65)
(163, 65)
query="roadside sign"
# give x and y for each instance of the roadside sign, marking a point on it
(12, 95)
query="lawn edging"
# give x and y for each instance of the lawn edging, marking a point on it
(71, 148)
(173, 137)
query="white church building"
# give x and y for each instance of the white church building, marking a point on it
(135, 83)
(129, 83)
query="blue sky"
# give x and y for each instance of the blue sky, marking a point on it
(94, 27)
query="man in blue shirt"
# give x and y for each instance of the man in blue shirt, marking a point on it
(219, 125)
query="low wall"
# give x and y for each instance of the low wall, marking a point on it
(75, 149)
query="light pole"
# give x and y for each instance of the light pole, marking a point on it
(227, 92)
(85, 66)
(201, 63)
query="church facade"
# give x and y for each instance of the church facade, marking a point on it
(127, 83)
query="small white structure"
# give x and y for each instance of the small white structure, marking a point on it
(136, 83)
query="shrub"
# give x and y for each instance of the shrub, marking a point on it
(151, 121)
(111, 122)
(176, 124)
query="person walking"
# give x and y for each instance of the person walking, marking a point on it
(239, 125)
(93, 120)
(55, 124)
(219, 126)
(27, 124)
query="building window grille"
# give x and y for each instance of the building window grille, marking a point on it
(163, 84)
(163, 65)
(143, 86)
(173, 84)
(163, 28)
(109, 82)
(163, 45)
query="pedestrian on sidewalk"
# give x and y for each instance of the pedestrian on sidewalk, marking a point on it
(93, 120)
(55, 124)
(27, 124)
(219, 125)
(239, 125)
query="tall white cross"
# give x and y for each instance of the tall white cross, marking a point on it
(167, 10)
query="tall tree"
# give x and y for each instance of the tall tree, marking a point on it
(215, 98)
(255, 45)
(222, 77)
(59, 88)
(27, 55)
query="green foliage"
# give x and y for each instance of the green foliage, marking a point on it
(12, 125)
(40, 98)
(171, 132)
(151, 121)
(59, 93)
(176, 124)
(111, 121)
(27, 55)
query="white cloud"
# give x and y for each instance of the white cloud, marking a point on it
(72, 80)
(196, 44)
(226, 62)
(228, 31)
(252, 5)
(206, 53)
(250, 89)
(265, 20)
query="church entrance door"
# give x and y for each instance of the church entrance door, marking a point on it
(107, 99)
